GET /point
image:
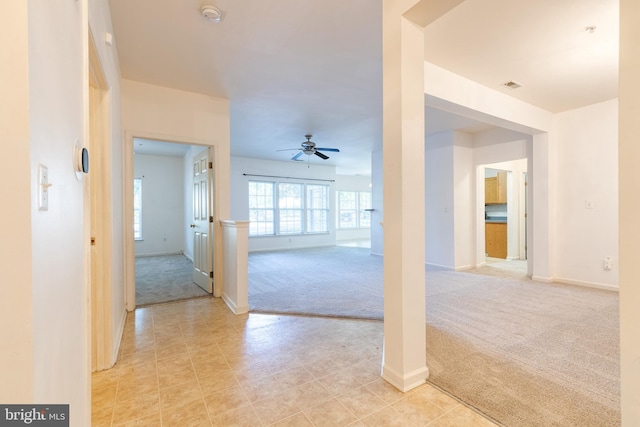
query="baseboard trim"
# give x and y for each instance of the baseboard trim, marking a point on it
(187, 256)
(438, 266)
(159, 254)
(542, 279)
(594, 285)
(235, 309)
(463, 268)
(406, 382)
(118, 337)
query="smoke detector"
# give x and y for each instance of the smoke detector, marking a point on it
(211, 13)
(512, 85)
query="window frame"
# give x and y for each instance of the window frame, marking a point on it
(265, 211)
(303, 211)
(356, 210)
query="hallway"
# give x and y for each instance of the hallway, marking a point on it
(194, 363)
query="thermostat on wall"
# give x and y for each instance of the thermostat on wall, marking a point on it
(81, 159)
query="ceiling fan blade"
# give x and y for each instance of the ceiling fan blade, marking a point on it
(322, 156)
(335, 150)
(297, 155)
(289, 149)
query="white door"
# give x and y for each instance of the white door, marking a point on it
(202, 225)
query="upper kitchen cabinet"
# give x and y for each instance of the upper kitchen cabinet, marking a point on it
(495, 189)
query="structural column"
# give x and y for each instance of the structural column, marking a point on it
(629, 205)
(404, 357)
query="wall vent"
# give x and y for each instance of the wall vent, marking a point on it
(512, 85)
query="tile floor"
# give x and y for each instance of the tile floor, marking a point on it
(194, 363)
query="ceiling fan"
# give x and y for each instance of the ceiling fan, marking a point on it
(309, 148)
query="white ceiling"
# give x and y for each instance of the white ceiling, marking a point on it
(295, 67)
(542, 44)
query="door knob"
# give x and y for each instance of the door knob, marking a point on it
(192, 226)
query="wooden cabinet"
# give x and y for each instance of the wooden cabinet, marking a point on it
(496, 239)
(495, 189)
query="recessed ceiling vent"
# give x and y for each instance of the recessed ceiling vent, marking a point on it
(512, 85)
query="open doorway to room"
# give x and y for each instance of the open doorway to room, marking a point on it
(165, 203)
(505, 217)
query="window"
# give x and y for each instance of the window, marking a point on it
(290, 208)
(286, 208)
(347, 209)
(364, 203)
(261, 208)
(137, 208)
(317, 209)
(352, 209)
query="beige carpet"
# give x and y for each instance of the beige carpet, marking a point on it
(165, 278)
(527, 354)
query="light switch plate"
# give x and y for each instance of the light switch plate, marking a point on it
(43, 187)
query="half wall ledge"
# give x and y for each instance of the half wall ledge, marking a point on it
(235, 265)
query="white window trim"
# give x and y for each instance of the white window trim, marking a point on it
(357, 209)
(276, 217)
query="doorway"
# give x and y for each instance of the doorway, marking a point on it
(504, 216)
(164, 206)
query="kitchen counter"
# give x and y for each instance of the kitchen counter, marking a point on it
(496, 219)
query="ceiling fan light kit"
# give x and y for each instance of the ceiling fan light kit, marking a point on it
(309, 148)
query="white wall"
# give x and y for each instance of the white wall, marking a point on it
(377, 216)
(449, 200)
(499, 145)
(584, 168)
(44, 315)
(457, 94)
(464, 207)
(240, 198)
(439, 200)
(60, 293)
(352, 183)
(173, 115)
(163, 230)
(99, 24)
(16, 305)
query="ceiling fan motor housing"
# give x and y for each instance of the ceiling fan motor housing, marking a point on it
(309, 147)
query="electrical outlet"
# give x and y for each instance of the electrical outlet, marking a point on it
(608, 263)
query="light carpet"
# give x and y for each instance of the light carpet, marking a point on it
(165, 278)
(524, 353)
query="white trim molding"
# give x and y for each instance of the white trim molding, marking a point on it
(405, 382)
(585, 284)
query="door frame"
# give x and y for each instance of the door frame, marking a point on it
(98, 200)
(129, 242)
